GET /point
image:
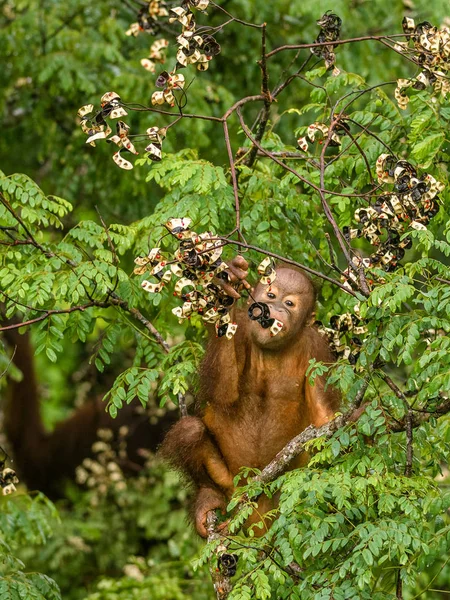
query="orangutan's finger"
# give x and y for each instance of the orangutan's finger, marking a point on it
(236, 274)
(239, 261)
(229, 290)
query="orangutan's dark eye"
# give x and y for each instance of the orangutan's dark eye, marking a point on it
(289, 303)
(270, 295)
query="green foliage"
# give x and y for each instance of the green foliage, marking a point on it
(106, 539)
(24, 520)
(351, 522)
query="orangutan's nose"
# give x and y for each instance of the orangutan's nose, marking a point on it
(277, 309)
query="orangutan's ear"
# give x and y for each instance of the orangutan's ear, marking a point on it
(312, 319)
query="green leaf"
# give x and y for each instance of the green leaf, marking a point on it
(425, 150)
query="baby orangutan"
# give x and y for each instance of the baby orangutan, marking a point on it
(255, 393)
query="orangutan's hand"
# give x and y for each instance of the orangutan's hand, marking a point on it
(237, 272)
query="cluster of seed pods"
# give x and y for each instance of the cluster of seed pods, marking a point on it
(197, 266)
(148, 18)
(157, 55)
(344, 335)
(260, 311)
(432, 52)
(330, 31)
(8, 477)
(321, 131)
(194, 48)
(95, 125)
(194, 264)
(412, 203)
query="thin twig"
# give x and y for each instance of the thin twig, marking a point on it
(110, 243)
(9, 363)
(64, 24)
(337, 232)
(272, 156)
(288, 261)
(241, 102)
(233, 175)
(376, 137)
(245, 23)
(333, 259)
(282, 86)
(49, 313)
(265, 111)
(31, 239)
(376, 38)
(408, 422)
(399, 586)
(115, 299)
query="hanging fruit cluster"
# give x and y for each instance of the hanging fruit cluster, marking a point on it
(412, 204)
(147, 18)
(432, 51)
(93, 123)
(95, 126)
(194, 47)
(170, 82)
(330, 31)
(344, 335)
(227, 562)
(260, 311)
(8, 477)
(321, 131)
(157, 55)
(195, 263)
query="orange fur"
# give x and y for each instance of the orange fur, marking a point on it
(255, 396)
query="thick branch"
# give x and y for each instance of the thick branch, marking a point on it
(221, 582)
(297, 445)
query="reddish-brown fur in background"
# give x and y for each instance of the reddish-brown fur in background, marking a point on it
(255, 394)
(45, 460)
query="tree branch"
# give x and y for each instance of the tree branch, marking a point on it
(233, 175)
(376, 38)
(288, 261)
(221, 582)
(49, 313)
(297, 445)
(265, 112)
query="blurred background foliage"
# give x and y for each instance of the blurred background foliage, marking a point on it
(56, 57)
